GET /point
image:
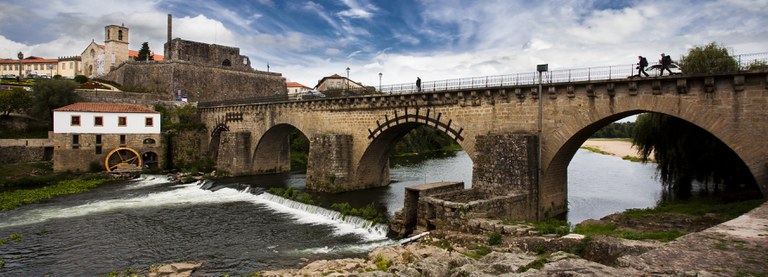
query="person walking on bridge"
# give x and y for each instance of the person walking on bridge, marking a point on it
(418, 84)
(641, 64)
(665, 62)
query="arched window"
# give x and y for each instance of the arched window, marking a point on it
(119, 34)
(149, 141)
(226, 63)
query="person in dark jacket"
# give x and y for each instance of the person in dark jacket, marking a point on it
(665, 62)
(641, 64)
(418, 84)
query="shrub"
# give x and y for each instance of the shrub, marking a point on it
(81, 79)
(494, 238)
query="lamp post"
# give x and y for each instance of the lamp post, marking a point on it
(541, 69)
(347, 77)
(21, 57)
(380, 82)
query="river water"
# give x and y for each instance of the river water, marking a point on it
(233, 228)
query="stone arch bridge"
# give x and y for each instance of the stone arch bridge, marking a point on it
(350, 138)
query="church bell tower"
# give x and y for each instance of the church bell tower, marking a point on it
(115, 45)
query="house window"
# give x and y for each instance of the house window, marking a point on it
(122, 121)
(149, 141)
(75, 141)
(75, 121)
(98, 149)
(122, 140)
(98, 139)
(98, 121)
(149, 122)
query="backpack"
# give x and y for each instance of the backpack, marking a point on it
(643, 62)
(666, 60)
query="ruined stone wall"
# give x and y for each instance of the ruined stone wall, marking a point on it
(206, 54)
(199, 82)
(23, 154)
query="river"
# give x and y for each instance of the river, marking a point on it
(234, 228)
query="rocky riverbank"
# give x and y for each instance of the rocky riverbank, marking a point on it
(737, 247)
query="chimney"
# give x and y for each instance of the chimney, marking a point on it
(170, 25)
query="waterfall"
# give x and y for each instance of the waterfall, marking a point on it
(375, 231)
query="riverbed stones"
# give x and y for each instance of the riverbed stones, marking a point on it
(175, 270)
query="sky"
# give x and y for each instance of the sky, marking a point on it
(431, 39)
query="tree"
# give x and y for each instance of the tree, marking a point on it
(144, 53)
(17, 100)
(684, 152)
(51, 94)
(710, 58)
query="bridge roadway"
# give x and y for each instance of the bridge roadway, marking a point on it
(350, 138)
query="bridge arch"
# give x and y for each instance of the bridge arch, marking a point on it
(272, 154)
(373, 168)
(555, 185)
(213, 144)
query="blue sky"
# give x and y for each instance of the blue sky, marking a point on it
(307, 40)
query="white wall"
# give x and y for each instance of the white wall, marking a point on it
(135, 123)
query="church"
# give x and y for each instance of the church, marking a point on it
(98, 59)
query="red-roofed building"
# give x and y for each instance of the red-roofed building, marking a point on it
(86, 133)
(295, 88)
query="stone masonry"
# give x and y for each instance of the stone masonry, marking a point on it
(492, 123)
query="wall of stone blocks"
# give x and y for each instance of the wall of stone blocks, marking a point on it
(235, 153)
(23, 154)
(329, 165)
(199, 82)
(66, 157)
(188, 147)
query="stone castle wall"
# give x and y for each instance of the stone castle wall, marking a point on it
(199, 82)
(206, 54)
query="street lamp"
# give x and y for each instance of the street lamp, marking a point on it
(21, 57)
(541, 69)
(380, 82)
(347, 77)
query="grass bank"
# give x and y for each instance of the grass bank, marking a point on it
(13, 199)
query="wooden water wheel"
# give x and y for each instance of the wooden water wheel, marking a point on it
(122, 159)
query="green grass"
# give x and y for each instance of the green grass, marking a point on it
(632, 159)
(613, 231)
(699, 206)
(13, 199)
(551, 226)
(478, 251)
(536, 264)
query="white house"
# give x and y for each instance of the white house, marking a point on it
(85, 135)
(106, 118)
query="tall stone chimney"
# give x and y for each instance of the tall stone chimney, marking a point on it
(170, 27)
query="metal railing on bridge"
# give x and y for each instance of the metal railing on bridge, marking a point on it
(745, 62)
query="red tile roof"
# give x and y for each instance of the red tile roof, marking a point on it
(106, 108)
(294, 84)
(134, 53)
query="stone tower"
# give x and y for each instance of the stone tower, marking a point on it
(116, 45)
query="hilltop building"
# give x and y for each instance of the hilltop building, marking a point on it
(336, 85)
(99, 59)
(295, 88)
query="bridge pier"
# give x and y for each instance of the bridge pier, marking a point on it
(329, 165)
(506, 165)
(234, 153)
